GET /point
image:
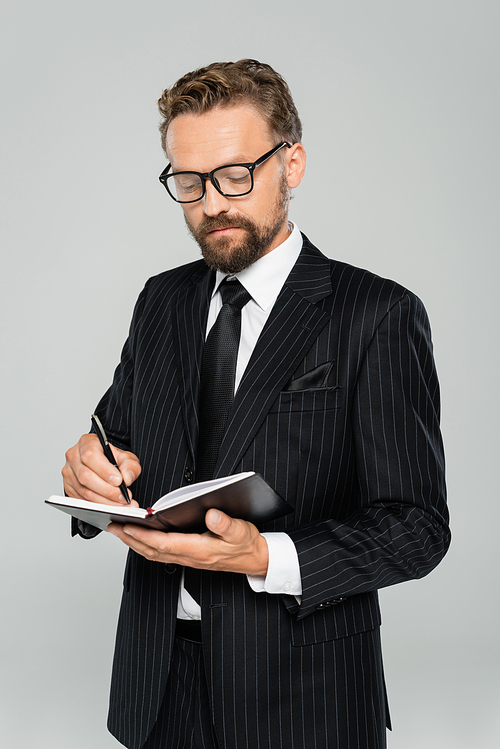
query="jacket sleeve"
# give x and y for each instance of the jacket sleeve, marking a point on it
(400, 528)
(114, 407)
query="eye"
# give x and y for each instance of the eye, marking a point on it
(235, 180)
(187, 183)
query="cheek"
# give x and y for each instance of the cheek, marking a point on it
(192, 215)
(256, 204)
(265, 193)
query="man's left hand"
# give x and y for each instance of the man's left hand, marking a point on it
(231, 545)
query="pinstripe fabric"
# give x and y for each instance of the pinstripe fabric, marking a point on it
(359, 457)
(184, 720)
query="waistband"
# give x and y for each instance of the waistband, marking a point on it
(189, 629)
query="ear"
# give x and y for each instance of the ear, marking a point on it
(295, 164)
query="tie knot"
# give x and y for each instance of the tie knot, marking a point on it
(232, 292)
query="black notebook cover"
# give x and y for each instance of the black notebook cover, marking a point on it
(250, 499)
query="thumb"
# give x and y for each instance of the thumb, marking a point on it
(128, 465)
(218, 522)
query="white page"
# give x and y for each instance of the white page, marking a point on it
(196, 490)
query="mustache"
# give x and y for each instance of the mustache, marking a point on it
(212, 223)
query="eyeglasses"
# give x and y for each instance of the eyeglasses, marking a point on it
(232, 181)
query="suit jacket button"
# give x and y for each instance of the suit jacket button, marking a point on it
(188, 475)
(170, 568)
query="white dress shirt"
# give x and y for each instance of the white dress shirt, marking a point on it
(263, 280)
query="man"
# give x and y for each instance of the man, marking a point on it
(275, 642)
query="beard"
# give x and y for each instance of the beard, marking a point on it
(229, 256)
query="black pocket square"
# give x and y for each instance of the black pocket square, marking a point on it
(313, 380)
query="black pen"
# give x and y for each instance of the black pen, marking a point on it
(107, 451)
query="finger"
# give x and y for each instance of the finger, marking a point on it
(188, 549)
(176, 544)
(73, 487)
(150, 544)
(128, 464)
(104, 494)
(88, 485)
(84, 469)
(116, 529)
(92, 456)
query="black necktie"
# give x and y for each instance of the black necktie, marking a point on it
(218, 371)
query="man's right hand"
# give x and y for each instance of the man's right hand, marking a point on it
(88, 474)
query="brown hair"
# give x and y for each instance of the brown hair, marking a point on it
(230, 83)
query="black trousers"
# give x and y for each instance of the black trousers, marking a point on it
(184, 720)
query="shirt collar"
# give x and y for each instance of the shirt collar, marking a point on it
(264, 278)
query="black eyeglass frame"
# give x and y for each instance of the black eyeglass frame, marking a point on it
(164, 176)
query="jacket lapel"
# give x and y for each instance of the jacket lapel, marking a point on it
(294, 324)
(189, 316)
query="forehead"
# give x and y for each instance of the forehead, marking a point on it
(220, 136)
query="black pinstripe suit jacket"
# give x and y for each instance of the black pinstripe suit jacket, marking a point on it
(354, 446)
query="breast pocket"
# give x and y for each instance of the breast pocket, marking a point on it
(316, 399)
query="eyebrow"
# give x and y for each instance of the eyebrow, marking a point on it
(238, 159)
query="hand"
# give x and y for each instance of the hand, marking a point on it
(88, 474)
(231, 545)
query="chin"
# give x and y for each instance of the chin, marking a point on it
(228, 258)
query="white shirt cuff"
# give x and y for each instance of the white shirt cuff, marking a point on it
(283, 572)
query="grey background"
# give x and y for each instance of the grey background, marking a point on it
(401, 123)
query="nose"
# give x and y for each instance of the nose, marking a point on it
(213, 202)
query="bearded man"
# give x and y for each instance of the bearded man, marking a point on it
(246, 637)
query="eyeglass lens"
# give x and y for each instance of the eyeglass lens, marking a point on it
(231, 180)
